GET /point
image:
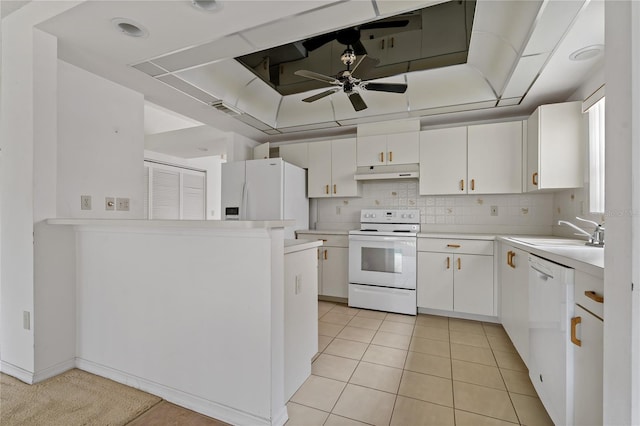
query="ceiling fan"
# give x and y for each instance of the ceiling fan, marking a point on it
(348, 83)
(351, 36)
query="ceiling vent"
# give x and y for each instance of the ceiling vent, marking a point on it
(227, 109)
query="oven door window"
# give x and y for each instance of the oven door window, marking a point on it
(375, 259)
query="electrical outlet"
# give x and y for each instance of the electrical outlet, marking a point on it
(85, 202)
(109, 203)
(298, 284)
(26, 320)
(494, 210)
(122, 204)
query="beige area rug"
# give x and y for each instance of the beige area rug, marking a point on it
(71, 398)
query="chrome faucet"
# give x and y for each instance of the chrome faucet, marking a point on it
(596, 238)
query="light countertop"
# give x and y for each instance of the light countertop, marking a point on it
(457, 236)
(292, 246)
(585, 258)
(323, 231)
(209, 224)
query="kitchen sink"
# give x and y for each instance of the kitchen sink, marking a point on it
(556, 242)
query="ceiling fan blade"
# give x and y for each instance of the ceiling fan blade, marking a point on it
(385, 24)
(315, 76)
(359, 49)
(365, 65)
(319, 41)
(357, 101)
(321, 95)
(385, 87)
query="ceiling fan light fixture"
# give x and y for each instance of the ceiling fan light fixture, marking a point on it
(348, 57)
(130, 28)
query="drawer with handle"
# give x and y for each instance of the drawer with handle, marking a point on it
(447, 245)
(589, 293)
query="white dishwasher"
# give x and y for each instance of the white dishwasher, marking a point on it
(551, 306)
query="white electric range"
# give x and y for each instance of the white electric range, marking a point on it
(382, 261)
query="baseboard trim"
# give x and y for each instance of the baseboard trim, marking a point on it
(54, 370)
(451, 314)
(183, 399)
(281, 418)
(17, 372)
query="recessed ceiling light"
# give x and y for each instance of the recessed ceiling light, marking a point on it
(130, 28)
(206, 5)
(587, 52)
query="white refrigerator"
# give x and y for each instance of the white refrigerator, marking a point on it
(269, 189)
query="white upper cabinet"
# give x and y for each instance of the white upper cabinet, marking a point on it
(319, 172)
(481, 159)
(395, 148)
(332, 165)
(495, 158)
(556, 140)
(443, 161)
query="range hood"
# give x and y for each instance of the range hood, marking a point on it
(404, 171)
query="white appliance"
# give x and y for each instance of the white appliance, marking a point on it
(551, 307)
(382, 261)
(269, 189)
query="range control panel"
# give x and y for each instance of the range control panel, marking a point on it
(390, 216)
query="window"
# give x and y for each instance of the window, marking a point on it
(596, 157)
(174, 192)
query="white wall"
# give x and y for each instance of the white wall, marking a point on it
(28, 139)
(517, 213)
(619, 257)
(211, 340)
(212, 165)
(100, 145)
(240, 148)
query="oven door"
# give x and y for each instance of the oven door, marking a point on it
(383, 261)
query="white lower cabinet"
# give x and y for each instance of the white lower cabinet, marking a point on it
(587, 358)
(514, 297)
(300, 328)
(456, 275)
(587, 332)
(333, 263)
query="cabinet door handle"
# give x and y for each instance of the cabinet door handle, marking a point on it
(509, 254)
(453, 245)
(382, 157)
(574, 323)
(326, 189)
(335, 188)
(534, 179)
(594, 296)
(448, 262)
(513, 256)
(473, 184)
(382, 45)
(459, 264)
(325, 255)
(392, 42)
(390, 156)
(461, 184)
(318, 251)
(323, 240)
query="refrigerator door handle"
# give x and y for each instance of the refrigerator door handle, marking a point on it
(245, 199)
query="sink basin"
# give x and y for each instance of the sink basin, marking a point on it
(556, 242)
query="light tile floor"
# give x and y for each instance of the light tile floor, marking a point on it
(377, 368)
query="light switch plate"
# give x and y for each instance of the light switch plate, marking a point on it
(109, 203)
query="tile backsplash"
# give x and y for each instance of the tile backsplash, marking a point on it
(516, 213)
